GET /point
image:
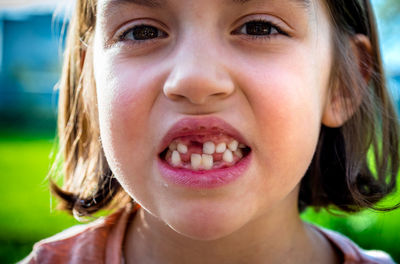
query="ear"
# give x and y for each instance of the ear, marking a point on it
(341, 103)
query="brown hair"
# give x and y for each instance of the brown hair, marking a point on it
(89, 184)
(339, 173)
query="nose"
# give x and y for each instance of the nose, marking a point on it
(198, 76)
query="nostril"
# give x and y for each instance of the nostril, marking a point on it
(219, 94)
(175, 97)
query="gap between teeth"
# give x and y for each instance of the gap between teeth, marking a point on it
(205, 161)
(209, 147)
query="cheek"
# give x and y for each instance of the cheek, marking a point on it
(125, 98)
(286, 96)
(118, 99)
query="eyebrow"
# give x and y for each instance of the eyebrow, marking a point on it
(304, 3)
(111, 4)
(161, 3)
(147, 3)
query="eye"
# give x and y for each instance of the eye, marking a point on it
(258, 28)
(142, 33)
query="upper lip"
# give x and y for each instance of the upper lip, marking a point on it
(199, 126)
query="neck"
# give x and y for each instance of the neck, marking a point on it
(272, 238)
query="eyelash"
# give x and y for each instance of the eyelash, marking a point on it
(160, 33)
(270, 29)
(154, 33)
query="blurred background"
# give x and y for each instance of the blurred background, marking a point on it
(31, 47)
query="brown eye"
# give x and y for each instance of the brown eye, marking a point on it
(142, 32)
(258, 28)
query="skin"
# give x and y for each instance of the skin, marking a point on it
(272, 89)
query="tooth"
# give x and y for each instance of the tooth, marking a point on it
(176, 158)
(242, 145)
(182, 148)
(221, 147)
(209, 147)
(228, 157)
(233, 145)
(172, 146)
(238, 153)
(207, 161)
(195, 161)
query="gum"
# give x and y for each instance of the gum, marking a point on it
(200, 139)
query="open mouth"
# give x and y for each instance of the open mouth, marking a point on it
(203, 152)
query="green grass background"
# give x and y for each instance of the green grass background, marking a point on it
(26, 213)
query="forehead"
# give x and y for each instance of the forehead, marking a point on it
(159, 3)
(106, 5)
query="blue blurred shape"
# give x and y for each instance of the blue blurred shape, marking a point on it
(30, 66)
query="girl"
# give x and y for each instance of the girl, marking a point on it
(211, 124)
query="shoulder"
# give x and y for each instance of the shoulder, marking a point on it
(352, 253)
(79, 244)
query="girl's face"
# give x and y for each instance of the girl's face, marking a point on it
(191, 72)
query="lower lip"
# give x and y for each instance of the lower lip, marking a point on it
(204, 179)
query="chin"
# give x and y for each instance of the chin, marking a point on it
(206, 224)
